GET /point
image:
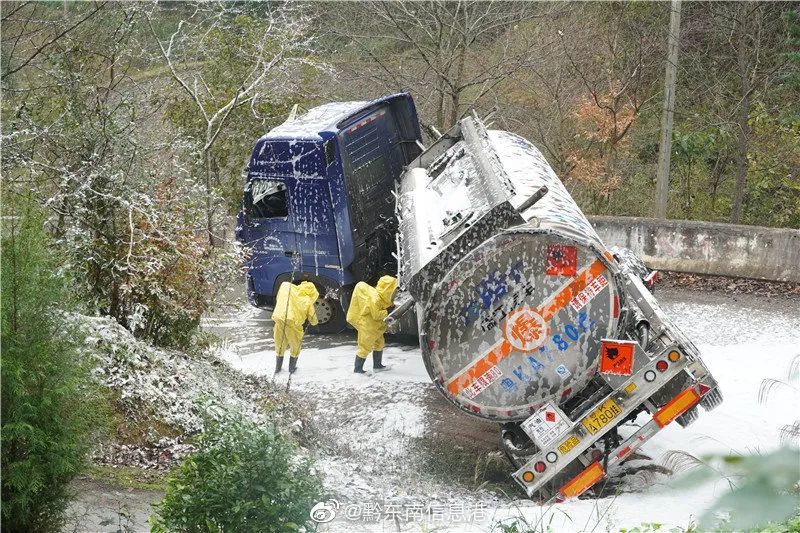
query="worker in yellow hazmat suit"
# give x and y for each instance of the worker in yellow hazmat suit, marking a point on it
(293, 306)
(367, 313)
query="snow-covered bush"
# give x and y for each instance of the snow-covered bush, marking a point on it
(128, 205)
(136, 242)
(155, 386)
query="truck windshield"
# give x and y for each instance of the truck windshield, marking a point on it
(268, 199)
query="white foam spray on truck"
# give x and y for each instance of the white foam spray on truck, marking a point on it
(527, 319)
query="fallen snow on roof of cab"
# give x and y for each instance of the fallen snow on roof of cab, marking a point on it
(317, 119)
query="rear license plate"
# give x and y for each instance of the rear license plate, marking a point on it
(568, 444)
(601, 417)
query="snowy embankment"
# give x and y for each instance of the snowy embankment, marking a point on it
(370, 428)
(172, 388)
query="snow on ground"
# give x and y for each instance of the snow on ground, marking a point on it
(371, 426)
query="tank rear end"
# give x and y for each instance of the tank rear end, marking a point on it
(517, 322)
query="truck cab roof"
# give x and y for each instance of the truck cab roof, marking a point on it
(323, 121)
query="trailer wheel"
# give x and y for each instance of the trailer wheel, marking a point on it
(329, 314)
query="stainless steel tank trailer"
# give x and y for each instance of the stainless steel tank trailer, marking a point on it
(527, 319)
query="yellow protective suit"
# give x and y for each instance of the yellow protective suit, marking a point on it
(368, 311)
(293, 306)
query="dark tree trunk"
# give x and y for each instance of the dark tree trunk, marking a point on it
(209, 212)
(742, 115)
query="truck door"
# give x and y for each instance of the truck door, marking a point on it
(315, 227)
(271, 232)
(369, 180)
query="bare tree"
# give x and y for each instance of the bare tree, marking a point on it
(745, 43)
(451, 54)
(616, 63)
(79, 137)
(271, 50)
(746, 24)
(31, 34)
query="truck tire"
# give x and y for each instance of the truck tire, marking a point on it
(330, 315)
(262, 301)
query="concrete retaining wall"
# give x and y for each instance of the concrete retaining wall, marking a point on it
(707, 247)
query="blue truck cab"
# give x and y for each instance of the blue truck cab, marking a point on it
(318, 202)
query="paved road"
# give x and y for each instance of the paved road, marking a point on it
(99, 508)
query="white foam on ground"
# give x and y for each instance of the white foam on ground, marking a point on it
(741, 346)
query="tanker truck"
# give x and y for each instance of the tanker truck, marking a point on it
(317, 201)
(526, 318)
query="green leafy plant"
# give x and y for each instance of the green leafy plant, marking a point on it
(763, 489)
(792, 19)
(648, 527)
(244, 477)
(50, 409)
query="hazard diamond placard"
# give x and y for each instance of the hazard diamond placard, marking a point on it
(546, 425)
(616, 357)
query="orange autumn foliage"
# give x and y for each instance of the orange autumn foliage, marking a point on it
(602, 123)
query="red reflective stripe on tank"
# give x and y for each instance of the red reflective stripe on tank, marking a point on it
(548, 311)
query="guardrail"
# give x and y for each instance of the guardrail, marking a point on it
(707, 247)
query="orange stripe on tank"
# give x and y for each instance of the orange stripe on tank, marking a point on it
(480, 367)
(548, 311)
(580, 282)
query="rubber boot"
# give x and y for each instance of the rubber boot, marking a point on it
(278, 363)
(292, 364)
(377, 355)
(359, 366)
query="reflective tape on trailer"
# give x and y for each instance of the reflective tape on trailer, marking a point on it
(676, 406)
(364, 122)
(583, 481)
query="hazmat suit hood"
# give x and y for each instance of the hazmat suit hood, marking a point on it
(295, 303)
(386, 287)
(368, 305)
(308, 292)
(367, 313)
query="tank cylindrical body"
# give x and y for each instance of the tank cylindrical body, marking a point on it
(514, 315)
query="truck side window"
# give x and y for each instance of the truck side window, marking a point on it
(270, 199)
